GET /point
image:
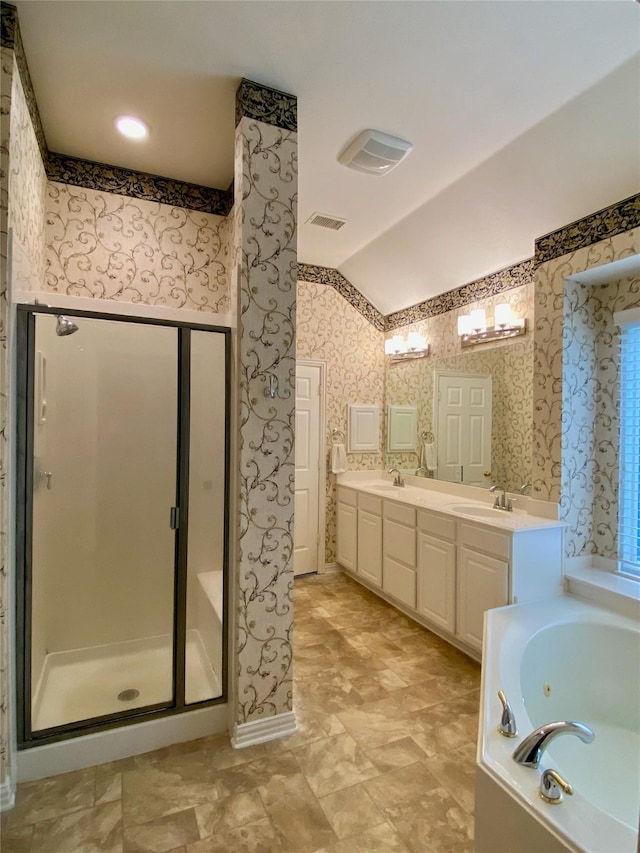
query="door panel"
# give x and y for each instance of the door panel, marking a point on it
(463, 427)
(205, 556)
(307, 468)
(104, 481)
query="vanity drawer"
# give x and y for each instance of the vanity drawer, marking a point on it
(399, 542)
(347, 496)
(437, 525)
(400, 513)
(485, 539)
(399, 581)
(370, 504)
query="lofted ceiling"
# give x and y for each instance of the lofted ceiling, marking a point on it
(524, 114)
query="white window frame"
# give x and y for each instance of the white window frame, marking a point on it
(629, 453)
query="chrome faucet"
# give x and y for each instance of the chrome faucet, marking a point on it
(398, 479)
(421, 471)
(501, 501)
(524, 487)
(529, 752)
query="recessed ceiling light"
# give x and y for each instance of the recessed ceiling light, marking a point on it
(132, 127)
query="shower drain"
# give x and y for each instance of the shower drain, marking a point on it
(128, 695)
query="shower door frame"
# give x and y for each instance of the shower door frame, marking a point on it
(25, 336)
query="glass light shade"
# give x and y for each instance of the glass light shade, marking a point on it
(398, 343)
(416, 341)
(503, 315)
(464, 324)
(478, 320)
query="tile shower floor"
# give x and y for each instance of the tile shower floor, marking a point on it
(85, 683)
(383, 761)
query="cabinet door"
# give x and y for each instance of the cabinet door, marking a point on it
(482, 583)
(398, 564)
(370, 547)
(436, 581)
(347, 536)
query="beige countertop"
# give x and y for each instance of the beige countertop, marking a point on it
(435, 496)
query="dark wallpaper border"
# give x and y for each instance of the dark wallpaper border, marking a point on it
(253, 100)
(114, 179)
(612, 220)
(102, 176)
(335, 279)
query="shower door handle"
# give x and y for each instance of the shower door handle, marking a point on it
(45, 476)
(174, 521)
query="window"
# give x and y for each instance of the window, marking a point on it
(629, 491)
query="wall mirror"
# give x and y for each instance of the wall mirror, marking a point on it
(510, 368)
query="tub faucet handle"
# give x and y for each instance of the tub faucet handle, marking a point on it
(551, 787)
(507, 725)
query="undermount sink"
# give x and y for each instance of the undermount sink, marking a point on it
(387, 488)
(471, 509)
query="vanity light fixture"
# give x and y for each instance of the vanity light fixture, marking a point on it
(132, 127)
(399, 349)
(473, 328)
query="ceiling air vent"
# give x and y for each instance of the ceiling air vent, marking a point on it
(325, 221)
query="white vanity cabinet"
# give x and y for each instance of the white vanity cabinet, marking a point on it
(436, 599)
(399, 552)
(496, 567)
(347, 528)
(445, 569)
(482, 578)
(370, 539)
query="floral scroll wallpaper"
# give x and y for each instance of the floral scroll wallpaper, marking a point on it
(106, 246)
(330, 329)
(6, 63)
(590, 406)
(266, 234)
(22, 197)
(548, 454)
(575, 381)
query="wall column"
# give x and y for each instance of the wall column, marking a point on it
(265, 235)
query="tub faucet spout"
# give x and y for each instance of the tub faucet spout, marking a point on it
(529, 752)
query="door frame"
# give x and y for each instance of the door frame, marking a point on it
(322, 454)
(25, 336)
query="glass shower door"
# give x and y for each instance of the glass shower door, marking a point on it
(104, 427)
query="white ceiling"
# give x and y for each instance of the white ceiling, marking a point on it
(525, 115)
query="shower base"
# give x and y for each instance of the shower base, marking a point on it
(84, 683)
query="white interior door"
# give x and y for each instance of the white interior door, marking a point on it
(463, 424)
(308, 455)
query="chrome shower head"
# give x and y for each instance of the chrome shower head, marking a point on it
(65, 326)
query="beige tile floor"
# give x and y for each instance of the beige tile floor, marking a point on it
(383, 761)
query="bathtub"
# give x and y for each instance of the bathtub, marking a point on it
(560, 659)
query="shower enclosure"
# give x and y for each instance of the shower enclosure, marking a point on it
(122, 520)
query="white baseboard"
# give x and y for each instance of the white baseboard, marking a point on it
(261, 731)
(332, 567)
(7, 795)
